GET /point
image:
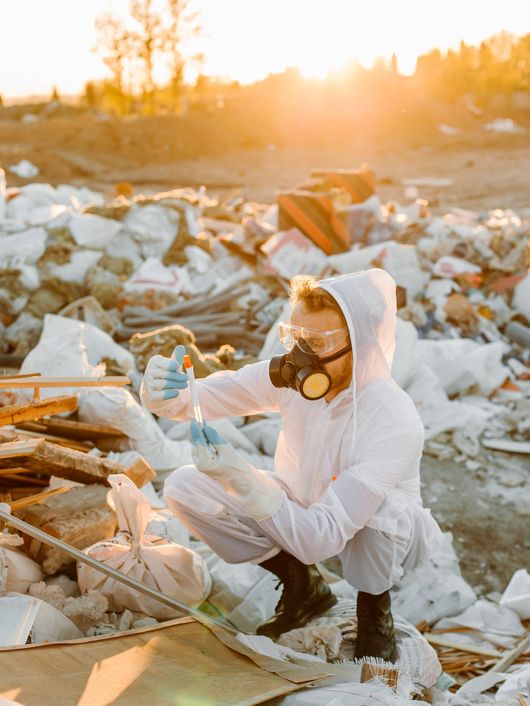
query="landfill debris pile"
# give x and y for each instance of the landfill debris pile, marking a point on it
(90, 289)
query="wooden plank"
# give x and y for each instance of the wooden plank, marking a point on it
(104, 381)
(37, 498)
(69, 443)
(509, 657)
(370, 671)
(140, 472)
(45, 457)
(6, 435)
(73, 429)
(13, 414)
(473, 649)
(17, 470)
(16, 478)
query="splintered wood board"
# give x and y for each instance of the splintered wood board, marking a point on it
(19, 434)
(42, 381)
(44, 457)
(13, 414)
(73, 429)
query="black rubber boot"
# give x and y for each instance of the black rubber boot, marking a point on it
(305, 595)
(375, 627)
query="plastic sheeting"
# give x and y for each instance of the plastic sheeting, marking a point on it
(434, 590)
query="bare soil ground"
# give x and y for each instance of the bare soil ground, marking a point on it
(490, 526)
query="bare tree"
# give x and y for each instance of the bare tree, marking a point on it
(114, 45)
(147, 42)
(183, 25)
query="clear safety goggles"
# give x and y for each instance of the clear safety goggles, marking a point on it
(311, 339)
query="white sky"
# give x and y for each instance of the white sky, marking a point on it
(47, 42)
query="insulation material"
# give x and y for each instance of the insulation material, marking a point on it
(168, 567)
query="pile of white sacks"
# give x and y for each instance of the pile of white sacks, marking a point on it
(469, 391)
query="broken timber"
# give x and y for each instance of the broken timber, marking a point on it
(73, 429)
(13, 414)
(44, 457)
(42, 381)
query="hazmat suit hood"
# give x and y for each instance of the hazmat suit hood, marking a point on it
(368, 303)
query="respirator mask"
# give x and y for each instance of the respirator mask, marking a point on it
(302, 368)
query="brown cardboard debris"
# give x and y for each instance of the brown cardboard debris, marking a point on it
(460, 312)
(188, 660)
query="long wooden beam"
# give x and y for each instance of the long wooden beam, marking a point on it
(15, 413)
(44, 457)
(42, 381)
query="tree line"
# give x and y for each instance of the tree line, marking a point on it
(153, 32)
(130, 50)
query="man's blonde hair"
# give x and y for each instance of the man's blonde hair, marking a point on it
(304, 288)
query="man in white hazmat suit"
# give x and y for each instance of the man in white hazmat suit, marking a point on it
(346, 469)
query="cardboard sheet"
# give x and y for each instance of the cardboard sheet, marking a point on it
(178, 663)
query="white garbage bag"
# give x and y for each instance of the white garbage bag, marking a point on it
(94, 232)
(76, 270)
(461, 363)
(154, 227)
(433, 590)
(98, 344)
(521, 297)
(170, 568)
(62, 354)
(496, 623)
(3, 190)
(517, 594)
(152, 274)
(17, 570)
(28, 246)
(24, 169)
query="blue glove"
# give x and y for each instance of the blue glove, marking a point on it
(163, 379)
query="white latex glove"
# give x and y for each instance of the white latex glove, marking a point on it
(163, 380)
(259, 494)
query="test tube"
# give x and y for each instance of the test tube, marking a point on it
(193, 390)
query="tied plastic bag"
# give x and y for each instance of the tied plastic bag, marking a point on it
(170, 568)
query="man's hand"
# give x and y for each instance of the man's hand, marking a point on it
(259, 494)
(163, 380)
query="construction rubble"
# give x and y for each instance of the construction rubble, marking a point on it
(91, 288)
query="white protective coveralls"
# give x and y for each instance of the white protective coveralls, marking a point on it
(349, 468)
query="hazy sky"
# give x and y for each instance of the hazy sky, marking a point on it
(46, 42)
